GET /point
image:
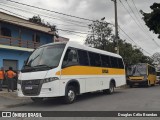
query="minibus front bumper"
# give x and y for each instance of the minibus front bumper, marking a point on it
(137, 82)
(38, 89)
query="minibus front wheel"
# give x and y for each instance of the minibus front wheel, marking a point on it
(70, 95)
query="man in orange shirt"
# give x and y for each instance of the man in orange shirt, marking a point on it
(10, 77)
(2, 74)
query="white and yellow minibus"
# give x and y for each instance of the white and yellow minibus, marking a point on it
(69, 69)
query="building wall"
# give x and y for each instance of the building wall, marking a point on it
(26, 34)
(20, 56)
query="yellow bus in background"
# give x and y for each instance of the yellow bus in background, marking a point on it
(141, 74)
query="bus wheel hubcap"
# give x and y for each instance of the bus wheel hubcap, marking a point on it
(71, 95)
(111, 88)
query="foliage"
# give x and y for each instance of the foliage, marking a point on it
(38, 20)
(101, 37)
(152, 19)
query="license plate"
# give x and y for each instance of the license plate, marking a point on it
(136, 83)
(28, 87)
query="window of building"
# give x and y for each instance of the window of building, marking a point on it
(83, 57)
(36, 38)
(105, 61)
(5, 31)
(94, 59)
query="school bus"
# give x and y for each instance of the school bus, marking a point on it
(69, 69)
(141, 74)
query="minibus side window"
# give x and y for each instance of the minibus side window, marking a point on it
(83, 57)
(94, 59)
(120, 63)
(105, 61)
(70, 58)
(114, 62)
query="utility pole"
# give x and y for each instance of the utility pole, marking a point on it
(116, 27)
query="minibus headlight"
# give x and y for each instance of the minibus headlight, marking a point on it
(46, 80)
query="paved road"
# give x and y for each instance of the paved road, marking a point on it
(129, 99)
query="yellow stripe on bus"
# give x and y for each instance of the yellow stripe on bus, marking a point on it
(85, 70)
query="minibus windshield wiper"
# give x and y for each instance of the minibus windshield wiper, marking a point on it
(28, 66)
(43, 65)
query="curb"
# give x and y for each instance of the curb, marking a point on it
(13, 96)
(13, 105)
(13, 100)
(8, 95)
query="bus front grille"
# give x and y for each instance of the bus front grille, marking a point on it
(31, 87)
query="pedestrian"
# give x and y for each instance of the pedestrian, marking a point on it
(10, 77)
(2, 76)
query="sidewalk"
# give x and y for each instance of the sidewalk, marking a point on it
(10, 99)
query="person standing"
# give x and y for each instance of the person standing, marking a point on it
(10, 77)
(2, 76)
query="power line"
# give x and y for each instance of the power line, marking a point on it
(56, 13)
(73, 31)
(134, 15)
(141, 25)
(74, 34)
(40, 25)
(69, 21)
(136, 8)
(73, 16)
(135, 20)
(133, 40)
(140, 19)
(77, 32)
(50, 11)
(13, 13)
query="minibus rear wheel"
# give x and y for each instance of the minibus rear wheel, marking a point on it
(111, 88)
(70, 95)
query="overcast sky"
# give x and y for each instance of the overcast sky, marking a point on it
(94, 10)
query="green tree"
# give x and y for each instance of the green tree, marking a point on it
(37, 19)
(132, 54)
(152, 19)
(101, 37)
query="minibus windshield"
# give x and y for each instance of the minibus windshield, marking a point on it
(137, 70)
(47, 56)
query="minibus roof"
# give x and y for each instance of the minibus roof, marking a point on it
(83, 47)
